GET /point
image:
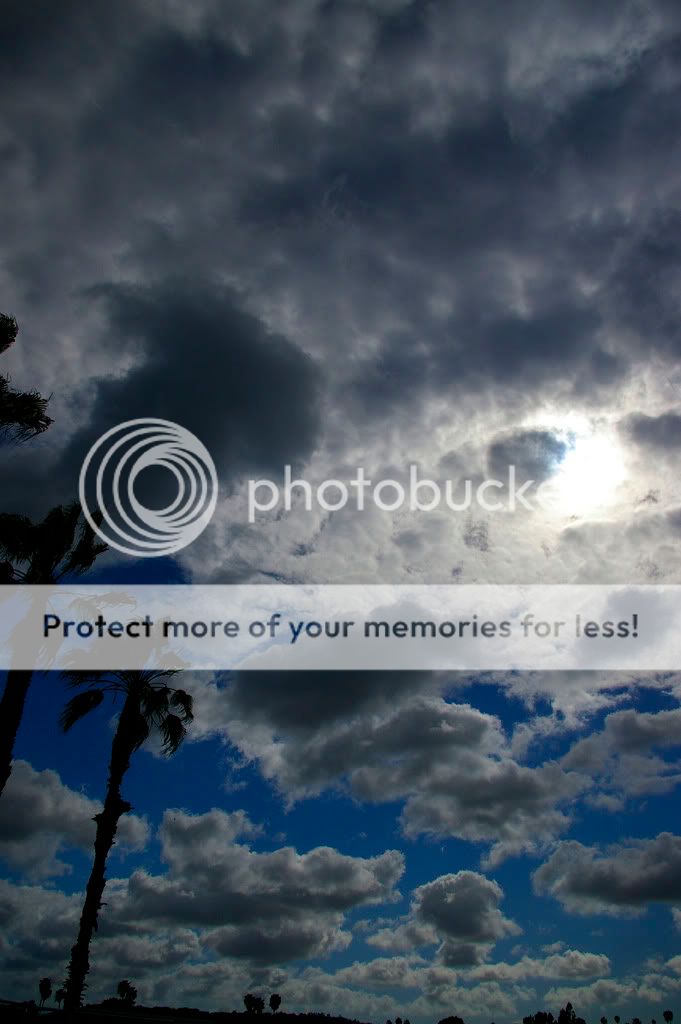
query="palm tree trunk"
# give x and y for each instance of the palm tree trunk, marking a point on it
(107, 825)
(11, 710)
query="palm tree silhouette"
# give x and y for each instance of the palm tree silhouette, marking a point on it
(22, 414)
(148, 704)
(63, 544)
(45, 987)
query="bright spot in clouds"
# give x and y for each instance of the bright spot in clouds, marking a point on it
(588, 478)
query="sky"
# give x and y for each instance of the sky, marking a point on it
(341, 233)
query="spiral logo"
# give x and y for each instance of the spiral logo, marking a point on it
(111, 473)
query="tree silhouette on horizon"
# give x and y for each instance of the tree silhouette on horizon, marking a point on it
(45, 988)
(254, 1004)
(126, 992)
(23, 414)
(62, 544)
(148, 704)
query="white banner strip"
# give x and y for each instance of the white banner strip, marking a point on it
(283, 628)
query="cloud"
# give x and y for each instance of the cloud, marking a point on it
(382, 739)
(195, 357)
(534, 453)
(37, 924)
(342, 234)
(459, 911)
(572, 963)
(41, 818)
(621, 757)
(621, 881)
(233, 260)
(661, 432)
(280, 906)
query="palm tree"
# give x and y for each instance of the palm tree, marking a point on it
(148, 703)
(63, 544)
(22, 414)
(45, 987)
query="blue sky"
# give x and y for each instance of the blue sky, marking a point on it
(338, 233)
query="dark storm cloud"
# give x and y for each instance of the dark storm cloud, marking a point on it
(251, 396)
(308, 700)
(481, 189)
(622, 880)
(534, 453)
(663, 432)
(645, 282)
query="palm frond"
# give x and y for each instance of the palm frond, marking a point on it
(23, 414)
(151, 701)
(53, 540)
(9, 328)
(79, 706)
(173, 731)
(85, 550)
(79, 677)
(155, 702)
(16, 537)
(184, 702)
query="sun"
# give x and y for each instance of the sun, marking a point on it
(587, 480)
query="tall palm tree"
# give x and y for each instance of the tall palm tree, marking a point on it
(23, 414)
(148, 704)
(63, 544)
